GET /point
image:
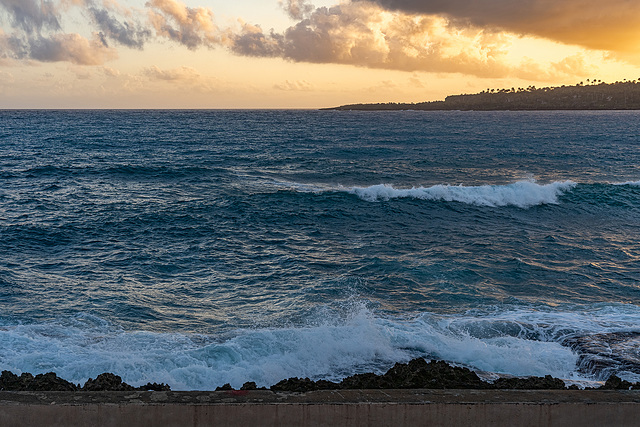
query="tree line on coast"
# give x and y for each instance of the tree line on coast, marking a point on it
(589, 95)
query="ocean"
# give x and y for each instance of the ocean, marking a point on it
(198, 248)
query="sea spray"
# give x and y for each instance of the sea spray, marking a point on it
(517, 342)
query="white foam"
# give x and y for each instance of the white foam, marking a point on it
(523, 194)
(630, 183)
(78, 351)
(515, 342)
(300, 187)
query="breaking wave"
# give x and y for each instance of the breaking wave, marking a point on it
(523, 194)
(520, 342)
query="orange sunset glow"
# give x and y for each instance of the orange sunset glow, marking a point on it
(302, 54)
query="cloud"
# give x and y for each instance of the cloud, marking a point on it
(36, 35)
(185, 79)
(192, 27)
(31, 16)
(176, 74)
(251, 41)
(81, 73)
(297, 9)
(70, 48)
(357, 33)
(296, 86)
(110, 72)
(574, 65)
(614, 25)
(6, 78)
(452, 36)
(126, 33)
(57, 48)
(362, 34)
(571, 66)
(416, 82)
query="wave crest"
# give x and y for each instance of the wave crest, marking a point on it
(523, 194)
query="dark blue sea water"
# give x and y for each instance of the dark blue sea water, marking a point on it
(198, 248)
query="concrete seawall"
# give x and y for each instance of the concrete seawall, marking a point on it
(323, 408)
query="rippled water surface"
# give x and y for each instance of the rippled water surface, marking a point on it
(204, 247)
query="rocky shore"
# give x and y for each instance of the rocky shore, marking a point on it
(416, 374)
(51, 382)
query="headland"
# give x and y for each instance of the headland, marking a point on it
(595, 95)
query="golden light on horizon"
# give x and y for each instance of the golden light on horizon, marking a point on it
(181, 54)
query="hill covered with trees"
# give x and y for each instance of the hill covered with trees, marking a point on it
(592, 95)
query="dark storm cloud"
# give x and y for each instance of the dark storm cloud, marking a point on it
(612, 25)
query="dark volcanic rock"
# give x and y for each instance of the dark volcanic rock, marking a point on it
(11, 382)
(106, 382)
(27, 382)
(296, 384)
(435, 374)
(363, 381)
(225, 387)
(51, 382)
(418, 373)
(302, 385)
(249, 385)
(154, 387)
(615, 383)
(530, 383)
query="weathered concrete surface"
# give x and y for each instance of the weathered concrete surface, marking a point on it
(323, 408)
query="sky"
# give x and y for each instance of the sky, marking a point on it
(301, 53)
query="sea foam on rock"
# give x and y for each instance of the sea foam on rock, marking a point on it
(416, 374)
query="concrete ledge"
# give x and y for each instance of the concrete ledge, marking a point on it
(323, 408)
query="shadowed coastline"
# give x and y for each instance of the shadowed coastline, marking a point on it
(416, 374)
(623, 95)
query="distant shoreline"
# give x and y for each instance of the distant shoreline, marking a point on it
(596, 96)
